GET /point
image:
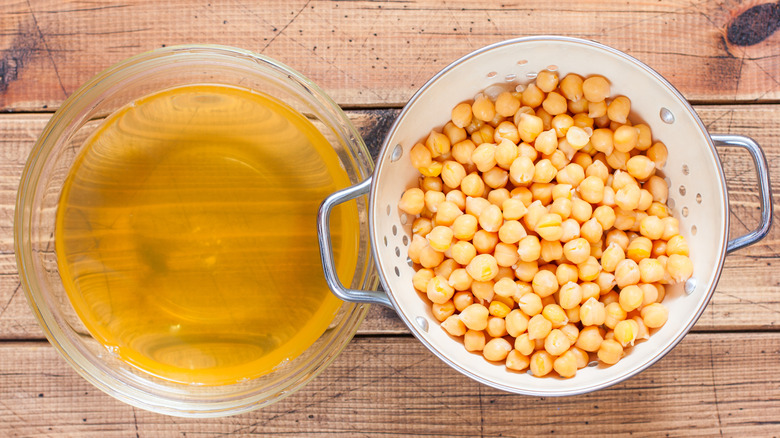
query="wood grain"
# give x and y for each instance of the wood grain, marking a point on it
(366, 53)
(737, 304)
(710, 385)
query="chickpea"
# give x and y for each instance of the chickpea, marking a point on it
(442, 311)
(517, 361)
(595, 88)
(577, 251)
(438, 144)
(614, 314)
(618, 159)
(529, 248)
(551, 250)
(506, 254)
(591, 189)
(484, 157)
(452, 173)
(627, 273)
(605, 282)
(544, 283)
(482, 267)
(454, 133)
(532, 96)
(597, 110)
(530, 304)
(474, 340)
(640, 167)
(505, 154)
(516, 323)
(555, 314)
(680, 268)
(610, 351)
(463, 252)
(529, 127)
(538, 327)
(625, 138)
(446, 268)
(412, 201)
(440, 238)
(421, 278)
(658, 155)
(462, 299)
(464, 227)
(475, 205)
(438, 290)
(506, 131)
(546, 142)
(462, 151)
(570, 295)
(507, 104)
(557, 343)
(549, 227)
(571, 86)
(422, 226)
(513, 209)
(461, 115)
(541, 363)
(542, 192)
(420, 156)
(658, 188)
(554, 104)
(416, 247)
(496, 349)
(573, 174)
(525, 271)
(592, 312)
(429, 257)
(677, 245)
(544, 171)
(639, 248)
(522, 171)
(627, 197)
(484, 241)
(590, 339)
(483, 108)
(654, 315)
(511, 232)
(460, 280)
(454, 326)
(650, 270)
(631, 297)
(618, 109)
(589, 269)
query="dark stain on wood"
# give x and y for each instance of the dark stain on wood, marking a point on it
(14, 58)
(374, 133)
(754, 24)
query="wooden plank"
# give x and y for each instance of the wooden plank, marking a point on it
(394, 387)
(737, 304)
(378, 53)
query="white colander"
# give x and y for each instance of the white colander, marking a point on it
(697, 195)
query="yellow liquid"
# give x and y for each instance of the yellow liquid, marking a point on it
(186, 234)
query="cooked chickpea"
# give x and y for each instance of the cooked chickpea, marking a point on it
(538, 327)
(460, 280)
(530, 304)
(658, 154)
(541, 363)
(577, 251)
(610, 351)
(464, 227)
(640, 167)
(474, 340)
(561, 124)
(522, 171)
(554, 103)
(422, 226)
(452, 173)
(658, 188)
(511, 232)
(551, 250)
(513, 209)
(605, 282)
(590, 339)
(421, 278)
(549, 227)
(454, 326)
(483, 108)
(412, 201)
(484, 241)
(591, 189)
(627, 273)
(529, 127)
(506, 130)
(589, 269)
(462, 299)
(496, 349)
(650, 270)
(677, 245)
(507, 104)
(442, 311)
(420, 156)
(454, 133)
(475, 316)
(525, 271)
(639, 248)
(618, 109)
(680, 268)
(482, 267)
(429, 257)
(654, 315)
(544, 283)
(517, 361)
(496, 178)
(506, 254)
(546, 142)
(438, 290)
(461, 115)
(592, 312)
(571, 86)
(505, 154)
(446, 268)
(463, 252)
(544, 171)
(462, 151)
(516, 323)
(446, 213)
(440, 238)
(614, 314)
(556, 342)
(595, 88)
(484, 156)
(631, 297)
(555, 314)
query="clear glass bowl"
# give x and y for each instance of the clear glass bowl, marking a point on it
(39, 193)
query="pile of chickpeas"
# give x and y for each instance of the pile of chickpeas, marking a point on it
(541, 231)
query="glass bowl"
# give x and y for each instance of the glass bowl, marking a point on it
(39, 192)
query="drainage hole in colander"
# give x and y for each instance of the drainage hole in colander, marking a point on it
(693, 230)
(698, 198)
(397, 252)
(531, 75)
(520, 88)
(388, 209)
(670, 202)
(492, 74)
(397, 272)
(398, 151)
(510, 77)
(385, 239)
(667, 116)
(552, 67)
(404, 219)
(522, 61)
(395, 230)
(685, 211)
(690, 286)
(682, 190)
(686, 170)
(405, 240)
(409, 262)
(593, 363)
(422, 323)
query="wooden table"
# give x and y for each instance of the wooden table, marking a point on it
(723, 379)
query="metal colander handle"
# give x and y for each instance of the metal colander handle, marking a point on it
(326, 248)
(765, 192)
